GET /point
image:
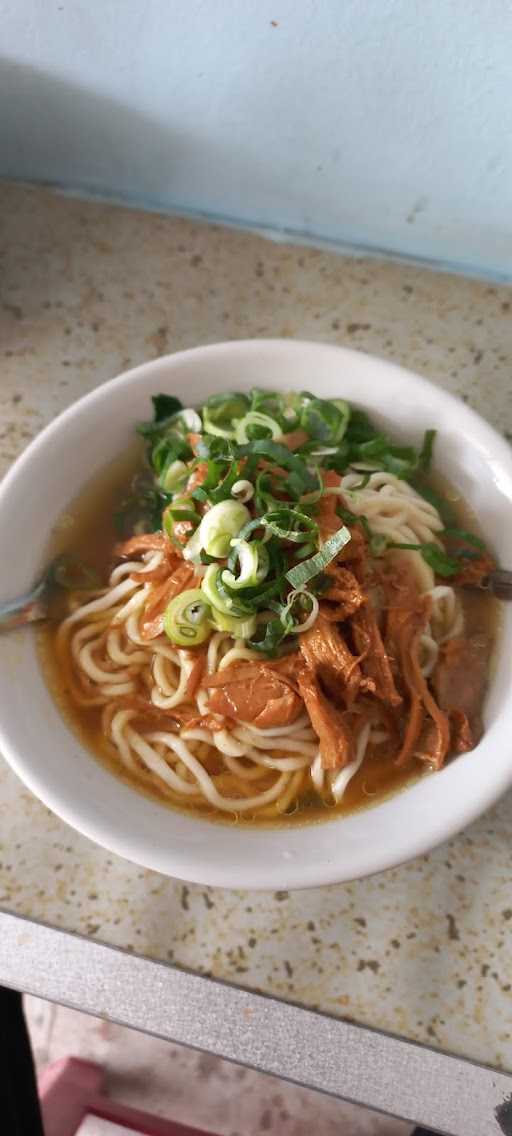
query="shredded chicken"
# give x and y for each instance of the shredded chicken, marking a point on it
(459, 677)
(462, 736)
(344, 595)
(375, 662)
(336, 746)
(427, 733)
(459, 681)
(145, 542)
(253, 692)
(184, 715)
(329, 684)
(326, 654)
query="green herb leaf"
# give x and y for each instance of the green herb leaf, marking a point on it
(355, 519)
(452, 532)
(425, 454)
(268, 636)
(165, 405)
(400, 460)
(437, 559)
(445, 510)
(360, 429)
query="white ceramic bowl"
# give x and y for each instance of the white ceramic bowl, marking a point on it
(53, 764)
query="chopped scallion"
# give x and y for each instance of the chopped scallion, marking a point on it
(305, 571)
(187, 619)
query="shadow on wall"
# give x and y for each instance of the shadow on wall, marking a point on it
(57, 133)
(70, 136)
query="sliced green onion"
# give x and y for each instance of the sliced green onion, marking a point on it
(242, 490)
(215, 448)
(192, 550)
(299, 599)
(273, 634)
(187, 420)
(211, 427)
(269, 402)
(279, 455)
(301, 573)
(250, 527)
(264, 495)
(260, 421)
(241, 628)
(218, 596)
(253, 560)
(172, 475)
(425, 454)
(220, 524)
(187, 619)
(223, 408)
(289, 524)
(218, 483)
(164, 407)
(305, 550)
(182, 509)
(324, 451)
(222, 411)
(166, 449)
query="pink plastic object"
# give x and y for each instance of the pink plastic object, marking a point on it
(70, 1090)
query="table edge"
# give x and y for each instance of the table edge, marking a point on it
(378, 1070)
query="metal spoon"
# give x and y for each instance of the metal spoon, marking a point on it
(28, 608)
(498, 583)
(33, 605)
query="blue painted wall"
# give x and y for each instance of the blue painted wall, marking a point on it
(381, 123)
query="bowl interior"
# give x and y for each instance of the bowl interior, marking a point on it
(49, 758)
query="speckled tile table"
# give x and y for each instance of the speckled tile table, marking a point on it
(88, 290)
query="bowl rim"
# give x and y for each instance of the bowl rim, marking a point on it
(290, 874)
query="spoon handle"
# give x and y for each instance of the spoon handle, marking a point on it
(28, 608)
